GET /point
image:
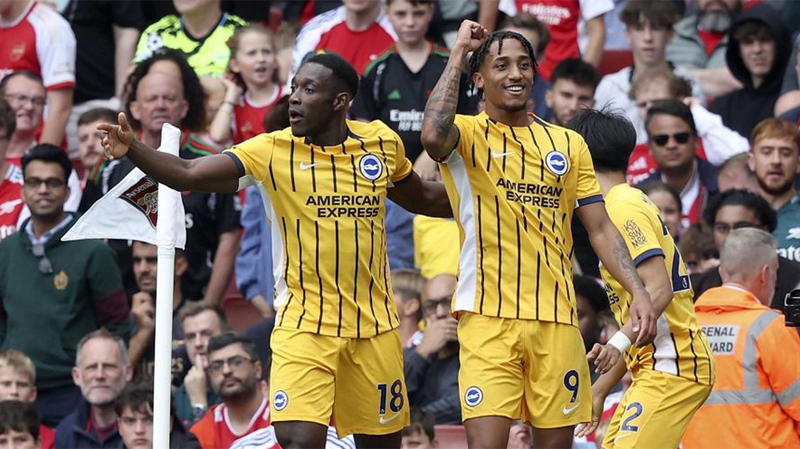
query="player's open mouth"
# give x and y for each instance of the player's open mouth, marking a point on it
(295, 116)
(515, 88)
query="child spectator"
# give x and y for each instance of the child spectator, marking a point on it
(18, 383)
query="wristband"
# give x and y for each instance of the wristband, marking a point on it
(620, 341)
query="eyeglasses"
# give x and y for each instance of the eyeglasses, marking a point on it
(234, 362)
(725, 228)
(19, 98)
(51, 183)
(430, 306)
(45, 267)
(662, 139)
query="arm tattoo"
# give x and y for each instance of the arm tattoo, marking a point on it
(440, 110)
(625, 263)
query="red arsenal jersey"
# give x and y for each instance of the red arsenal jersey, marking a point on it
(11, 203)
(41, 41)
(214, 430)
(248, 118)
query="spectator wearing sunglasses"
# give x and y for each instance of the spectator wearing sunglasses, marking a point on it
(53, 292)
(672, 141)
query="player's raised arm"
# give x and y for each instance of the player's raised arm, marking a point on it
(439, 135)
(216, 173)
(613, 253)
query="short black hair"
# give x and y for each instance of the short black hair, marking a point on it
(656, 185)
(46, 152)
(421, 421)
(226, 339)
(97, 114)
(674, 108)
(590, 289)
(135, 396)
(19, 416)
(8, 118)
(610, 137)
(479, 55)
(193, 92)
(342, 70)
(660, 14)
(578, 71)
(747, 199)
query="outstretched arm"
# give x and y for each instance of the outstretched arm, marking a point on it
(613, 253)
(422, 197)
(216, 173)
(439, 135)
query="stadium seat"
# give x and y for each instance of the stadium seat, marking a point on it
(451, 437)
(240, 313)
(614, 61)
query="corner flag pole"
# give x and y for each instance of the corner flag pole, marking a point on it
(165, 232)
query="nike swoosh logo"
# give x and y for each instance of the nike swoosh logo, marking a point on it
(386, 420)
(307, 166)
(496, 155)
(568, 410)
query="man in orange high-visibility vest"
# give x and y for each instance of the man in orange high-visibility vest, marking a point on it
(756, 398)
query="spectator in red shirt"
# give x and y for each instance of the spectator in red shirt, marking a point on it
(35, 37)
(359, 31)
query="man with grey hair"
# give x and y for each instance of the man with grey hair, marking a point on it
(758, 370)
(101, 372)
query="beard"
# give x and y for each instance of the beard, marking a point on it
(776, 190)
(715, 21)
(245, 391)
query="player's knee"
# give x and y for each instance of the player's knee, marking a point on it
(300, 435)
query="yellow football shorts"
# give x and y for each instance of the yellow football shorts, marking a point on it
(655, 411)
(533, 370)
(359, 380)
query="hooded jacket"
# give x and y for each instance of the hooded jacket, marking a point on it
(742, 109)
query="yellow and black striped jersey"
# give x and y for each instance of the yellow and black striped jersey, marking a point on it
(513, 191)
(326, 207)
(680, 347)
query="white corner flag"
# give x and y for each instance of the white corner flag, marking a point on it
(130, 210)
(139, 209)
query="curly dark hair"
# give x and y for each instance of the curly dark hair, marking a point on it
(193, 92)
(479, 55)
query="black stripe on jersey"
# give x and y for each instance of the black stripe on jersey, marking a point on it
(709, 363)
(355, 284)
(300, 269)
(333, 170)
(505, 149)
(344, 149)
(555, 302)
(322, 147)
(285, 308)
(316, 234)
(569, 147)
(313, 173)
(372, 278)
(480, 245)
(271, 173)
(488, 148)
(286, 261)
(355, 180)
(564, 261)
(553, 145)
(474, 164)
(677, 355)
(336, 278)
(653, 355)
(519, 267)
(499, 257)
(541, 156)
(694, 354)
(544, 238)
(522, 150)
(538, 274)
(386, 284)
(291, 167)
(524, 218)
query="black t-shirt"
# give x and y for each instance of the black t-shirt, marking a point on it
(207, 216)
(93, 23)
(392, 93)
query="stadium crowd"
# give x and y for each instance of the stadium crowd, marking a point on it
(711, 88)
